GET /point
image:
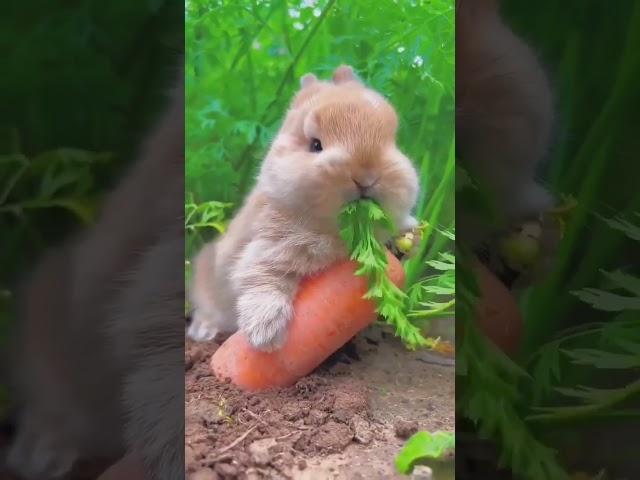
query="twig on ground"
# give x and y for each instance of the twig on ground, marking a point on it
(257, 417)
(236, 441)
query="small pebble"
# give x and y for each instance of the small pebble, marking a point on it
(422, 472)
(262, 451)
(405, 428)
(226, 470)
(316, 417)
(362, 429)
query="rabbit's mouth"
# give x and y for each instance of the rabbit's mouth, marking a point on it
(363, 188)
(360, 194)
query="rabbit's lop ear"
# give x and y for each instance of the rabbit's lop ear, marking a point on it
(343, 74)
(307, 80)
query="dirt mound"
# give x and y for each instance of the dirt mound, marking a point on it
(233, 433)
(341, 422)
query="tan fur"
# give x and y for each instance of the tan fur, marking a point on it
(287, 228)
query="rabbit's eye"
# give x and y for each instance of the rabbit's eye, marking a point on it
(315, 146)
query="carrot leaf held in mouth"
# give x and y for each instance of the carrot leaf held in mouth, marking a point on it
(359, 221)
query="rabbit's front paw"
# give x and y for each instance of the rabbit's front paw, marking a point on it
(264, 318)
(202, 327)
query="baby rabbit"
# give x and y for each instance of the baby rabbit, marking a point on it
(336, 144)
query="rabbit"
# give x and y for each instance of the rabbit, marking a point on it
(504, 127)
(336, 144)
(102, 327)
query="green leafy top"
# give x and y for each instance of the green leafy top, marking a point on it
(358, 223)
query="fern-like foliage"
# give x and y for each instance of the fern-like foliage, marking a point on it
(489, 390)
(614, 344)
(434, 295)
(359, 221)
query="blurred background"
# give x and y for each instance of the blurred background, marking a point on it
(244, 61)
(594, 157)
(82, 82)
(574, 388)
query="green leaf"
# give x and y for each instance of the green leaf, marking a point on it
(359, 221)
(625, 281)
(603, 359)
(546, 370)
(439, 290)
(607, 301)
(438, 265)
(424, 446)
(629, 229)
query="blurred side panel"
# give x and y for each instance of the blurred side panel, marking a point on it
(91, 238)
(548, 217)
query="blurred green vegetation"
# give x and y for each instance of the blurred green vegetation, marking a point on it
(581, 349)
(81, 83)
(243, 64)
(595, 158)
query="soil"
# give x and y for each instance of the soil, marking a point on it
(347, 420)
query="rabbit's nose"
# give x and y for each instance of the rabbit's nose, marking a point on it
(365, 186)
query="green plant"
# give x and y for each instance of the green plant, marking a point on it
(201, 222)
(61, 178)
(613, 344)
(489, 391)
(79, 90)
(506, 402)
(359, 221)
(423, 447)
(54, 188)
(433, 296)
(575, 366)
(204, 220)
(243, 64)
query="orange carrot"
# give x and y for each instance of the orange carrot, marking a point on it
(498, 314)
(328, 311)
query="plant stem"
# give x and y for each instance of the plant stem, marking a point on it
(565, 414)
(245, 164)
(434, 312)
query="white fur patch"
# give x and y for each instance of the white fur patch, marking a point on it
(264, 317)
(310, 127)
(373, 98)
(203, 327)
(284, 140)
(334, 157)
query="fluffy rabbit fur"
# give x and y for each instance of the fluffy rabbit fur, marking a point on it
(288, 227)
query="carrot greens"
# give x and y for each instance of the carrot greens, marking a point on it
(359, 221)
